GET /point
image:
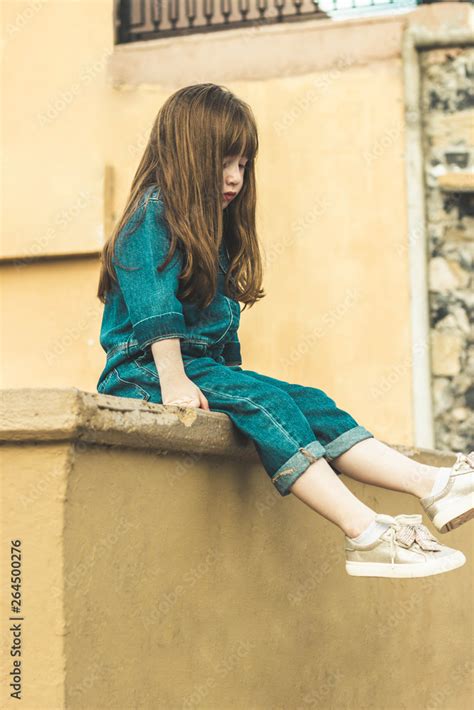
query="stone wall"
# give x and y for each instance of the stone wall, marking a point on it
(448, 123)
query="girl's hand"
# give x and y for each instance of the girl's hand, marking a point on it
(181, 390)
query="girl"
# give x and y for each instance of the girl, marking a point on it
(181, 258)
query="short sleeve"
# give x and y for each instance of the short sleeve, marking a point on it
(151, 297)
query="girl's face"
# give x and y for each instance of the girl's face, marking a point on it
(234, 170)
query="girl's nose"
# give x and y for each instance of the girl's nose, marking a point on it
(234, 174)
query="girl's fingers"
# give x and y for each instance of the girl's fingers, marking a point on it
(185, 401)
(204, 402)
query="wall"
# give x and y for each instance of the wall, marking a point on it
(161, 569)
(332, 213)
(448, 109)
(328, 184)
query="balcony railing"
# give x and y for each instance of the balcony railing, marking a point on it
(138, 20)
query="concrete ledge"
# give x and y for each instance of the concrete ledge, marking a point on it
(60, 414)
(74, 415)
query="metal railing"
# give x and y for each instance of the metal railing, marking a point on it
(137, 20)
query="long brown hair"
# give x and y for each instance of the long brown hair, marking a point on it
(194, 130)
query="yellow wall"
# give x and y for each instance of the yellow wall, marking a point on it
(161, 570)
(332, 211)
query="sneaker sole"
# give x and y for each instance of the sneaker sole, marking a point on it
(422, 569)
(453, 517)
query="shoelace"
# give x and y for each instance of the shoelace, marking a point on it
(407, 534)
(463, 462)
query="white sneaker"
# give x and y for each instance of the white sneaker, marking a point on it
(406, 549)
(454, 504)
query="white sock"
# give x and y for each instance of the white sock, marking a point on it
(371, 533)
(441, 480)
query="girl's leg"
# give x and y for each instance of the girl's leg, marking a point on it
(285, 441)
(296, 462)
(349, 450)
(323, 491)
(371, 461)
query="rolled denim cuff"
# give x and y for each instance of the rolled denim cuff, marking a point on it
(159, 327)
(296, 466)
(346, 440)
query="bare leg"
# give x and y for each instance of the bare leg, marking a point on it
(371, 461)
(323, 491)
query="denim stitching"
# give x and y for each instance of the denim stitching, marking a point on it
(117, 348)
(161, 315)
(134, 343)
(145, 369)
(230, 324)
(105, 380)
(127, 382)
(259, 406)
(161, 336)
(180, 335)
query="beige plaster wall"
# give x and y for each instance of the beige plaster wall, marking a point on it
(332, 210)
(160, 572)
(53, 83)
(213, 593)
(33, 489)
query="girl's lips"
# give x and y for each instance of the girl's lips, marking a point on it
(229, 195)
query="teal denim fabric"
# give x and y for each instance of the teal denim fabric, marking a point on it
(291, 425)
(145, 307)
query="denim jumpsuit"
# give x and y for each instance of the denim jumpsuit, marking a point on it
(291, 425)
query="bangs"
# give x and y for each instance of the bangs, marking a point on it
(240, 138)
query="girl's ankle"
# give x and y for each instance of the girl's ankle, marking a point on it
(355, 528)
(435, 476)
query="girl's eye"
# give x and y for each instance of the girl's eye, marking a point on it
(226, 165)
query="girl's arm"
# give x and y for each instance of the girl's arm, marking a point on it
(151, 297)
(176, 387)
(168, 359)
(152, 301)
